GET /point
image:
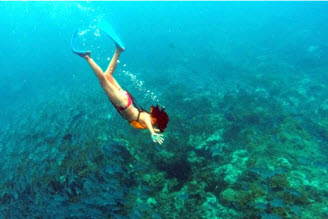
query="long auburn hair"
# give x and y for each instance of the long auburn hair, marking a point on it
(161, 117)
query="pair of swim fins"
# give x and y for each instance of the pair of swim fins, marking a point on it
(105, 28)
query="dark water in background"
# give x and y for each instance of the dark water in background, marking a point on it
(260, 67)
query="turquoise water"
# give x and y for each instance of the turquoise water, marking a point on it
(244, 84)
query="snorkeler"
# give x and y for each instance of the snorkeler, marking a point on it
(155, 121)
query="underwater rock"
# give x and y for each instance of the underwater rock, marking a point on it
(165, 156)
(50, 140)
(151, 201)
(265, 172)
(175, 168)
(155, 181)
(67, 137)
(194, 159)
(192, 194)
(240, 157)
(270, 216)
(323, 130)
(227, 197)
(316, 210)
(284, 163)
(234, 169)
(232, 174)
(236, 199)
(196, 190)
(296, 210)
(279, 182)
(102, 138)
(277, 202)
(171, 185)
(215, 183)
(62, 179)
(182, 197)
(298, 179)
(211, 208)
(260, 206)
(181, 170)
(232, 133)
(258, 192)
(200, 143)
(294, 197)
(303, 160)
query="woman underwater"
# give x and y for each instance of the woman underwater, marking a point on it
(155, 121)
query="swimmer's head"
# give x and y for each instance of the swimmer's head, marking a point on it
(160, 117)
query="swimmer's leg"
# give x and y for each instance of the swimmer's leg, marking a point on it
(96, 69)
(112, 66)
(113, 63)
(99, 73)
(110, 89)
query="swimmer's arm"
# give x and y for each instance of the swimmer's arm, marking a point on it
(156, 130)
(156, 137)
(149, 125)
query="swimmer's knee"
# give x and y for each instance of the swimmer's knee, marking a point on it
(103, 82)
(101, 78)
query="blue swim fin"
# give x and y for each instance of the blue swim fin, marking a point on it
(76, 51)
(109, 31)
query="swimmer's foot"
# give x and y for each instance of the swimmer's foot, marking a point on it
(84, 54)
(118, 48)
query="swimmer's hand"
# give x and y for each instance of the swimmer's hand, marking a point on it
(157, 138)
